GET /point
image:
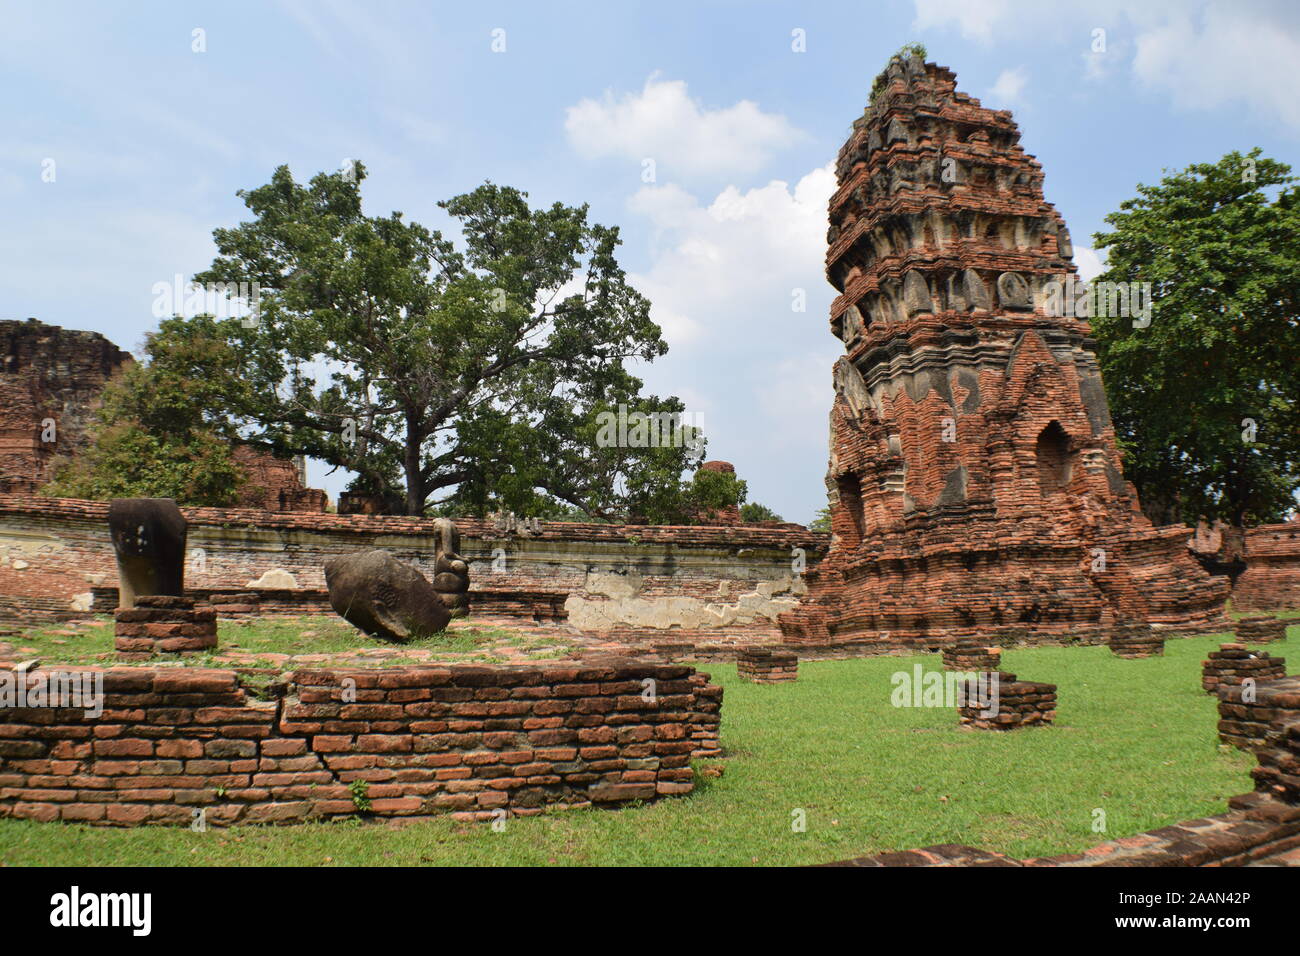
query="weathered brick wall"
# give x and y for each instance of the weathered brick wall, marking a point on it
(647, 582)
(47, 372)
(469, 740)
(1272, 576)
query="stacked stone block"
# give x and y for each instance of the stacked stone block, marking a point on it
(1233, 663)
(1259, 630)
(767, 665)
(1136, 640)
(1021, 703)
(162, 623)
(401, 742)
(1246, 711)
(972, 656)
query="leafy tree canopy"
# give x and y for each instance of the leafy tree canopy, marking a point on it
(1205, 398)
(462, 377)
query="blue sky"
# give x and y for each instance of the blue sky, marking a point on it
(150, 140)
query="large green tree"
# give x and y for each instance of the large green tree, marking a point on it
(471, 374)
(1205, 398)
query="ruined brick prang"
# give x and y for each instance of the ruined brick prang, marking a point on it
(48, 374)
(974, 480)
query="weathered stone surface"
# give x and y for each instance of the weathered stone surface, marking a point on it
(275, 578)
(149, 541)
(451, 570)
(974, 480)
(384, 597)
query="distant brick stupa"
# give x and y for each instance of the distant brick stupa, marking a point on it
(975, 484)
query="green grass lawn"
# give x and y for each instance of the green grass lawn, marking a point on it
(92, 642)
(1135, 738)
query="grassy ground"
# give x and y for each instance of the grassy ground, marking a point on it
(255, 641)
(1135, 738)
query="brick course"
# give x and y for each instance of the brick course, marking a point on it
(1233, 663)
(463, 739)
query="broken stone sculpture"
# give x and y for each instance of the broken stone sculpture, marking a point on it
(384, 597)
(149, 540)
(451, 571)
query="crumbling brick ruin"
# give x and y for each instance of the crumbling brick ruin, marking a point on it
(47, 374)
(974, 481)
(767, 665)
(51, 374)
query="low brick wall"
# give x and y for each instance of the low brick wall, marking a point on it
(1233, 663)
(700, 584)
(470, 740)
(1244, 723)
(767, 665)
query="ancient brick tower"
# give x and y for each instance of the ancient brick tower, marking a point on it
(974, 481)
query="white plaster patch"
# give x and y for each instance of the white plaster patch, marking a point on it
(625, 607)
(275, 578)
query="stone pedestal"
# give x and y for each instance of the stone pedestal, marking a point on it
(767, 665)
(1136, 640)
(972, 656)
(164, 624)
(1020, 703)
(1259, 630)
(1233, 663)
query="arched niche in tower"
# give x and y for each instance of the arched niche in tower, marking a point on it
(1054, 459)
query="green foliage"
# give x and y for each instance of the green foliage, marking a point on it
(753, 511)
(470, 375)
(360, 791)
(159, 431)
(904, 51)
(1223, 259)
(823, 520)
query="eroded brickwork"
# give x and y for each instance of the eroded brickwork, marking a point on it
(47, 374)
(402, 742)
(974, 480)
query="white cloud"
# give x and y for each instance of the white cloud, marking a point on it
(663, 123)
(1240, 53)
(1090, 263)
(1214, 54)
(722, 281)
(977, 19)
(1009, 85)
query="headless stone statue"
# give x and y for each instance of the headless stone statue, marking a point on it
(149, 540)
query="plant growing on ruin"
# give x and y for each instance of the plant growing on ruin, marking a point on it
(360, 791)
(473, 371)
(1205, 398)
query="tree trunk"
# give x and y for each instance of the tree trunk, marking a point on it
(415, 493)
